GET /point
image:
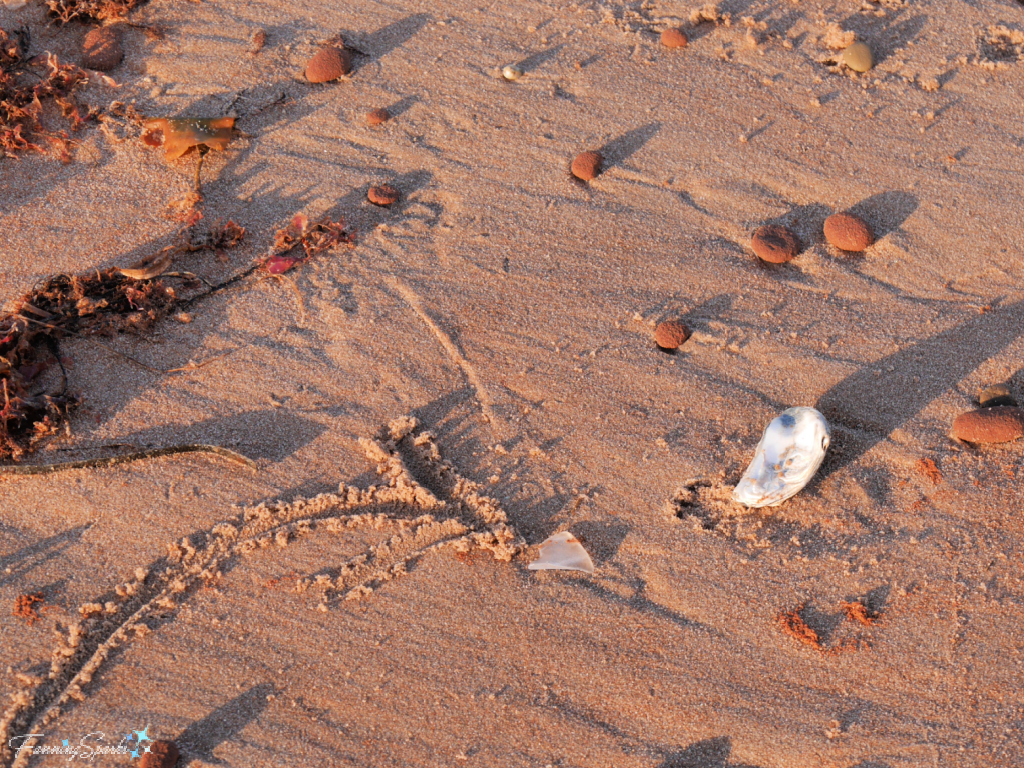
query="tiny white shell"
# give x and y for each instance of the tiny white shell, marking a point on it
(562, 552)
(511, 72)
(790, 452)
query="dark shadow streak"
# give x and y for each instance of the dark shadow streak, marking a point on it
(640, 603)
(617, 151)
(402, 105)
(198, 741)
(887, 211)
(709, 753)
(922, 372)
(534, 61)
(386, 39)
(35, 555)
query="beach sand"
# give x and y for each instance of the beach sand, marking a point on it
(510, 310)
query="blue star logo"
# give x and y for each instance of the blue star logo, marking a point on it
(138, 738)
(65, 742)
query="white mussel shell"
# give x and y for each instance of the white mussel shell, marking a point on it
(790, 452)
(562, 552)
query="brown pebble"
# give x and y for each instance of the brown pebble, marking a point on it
(587, 165)
(377, 116)
(990, 425)
(101, 49)
(674, 38)
(671, 334)
(383, 194)
(329, 63)
(162, 754)
(848, 232)
(775, 243)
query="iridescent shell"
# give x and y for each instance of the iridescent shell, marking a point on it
(790, 452)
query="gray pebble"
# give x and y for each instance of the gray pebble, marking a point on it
(997, 394)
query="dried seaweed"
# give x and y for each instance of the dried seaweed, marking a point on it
(314, 239)
(793, 624)
(860, 613)
(25, 607)
(23, 92)
(91, 10)
(108, 302)
(102, 302)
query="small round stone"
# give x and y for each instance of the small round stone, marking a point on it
(587, 165)
(997, 394)
(161, 754)
(383, 194)
(990, 425)
(671, 334)
(858, 57)
(101, 49)
(511, 72)
(329, 63)
(674, 38)
(377, 116)
(848, 232)
(775, 243)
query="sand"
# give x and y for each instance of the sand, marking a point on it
(510, 310)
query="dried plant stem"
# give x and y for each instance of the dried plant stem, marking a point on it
(202, 149)
(110, 461)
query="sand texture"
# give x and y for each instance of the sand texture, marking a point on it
(478, 372)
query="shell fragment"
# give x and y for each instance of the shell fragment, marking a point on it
(790, 452)
(562, 552)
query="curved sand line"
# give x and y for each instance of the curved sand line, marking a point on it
(406, 457)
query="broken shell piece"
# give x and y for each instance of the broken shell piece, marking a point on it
(790, 452)
(181, 134)
(149, 267)
(562, 552)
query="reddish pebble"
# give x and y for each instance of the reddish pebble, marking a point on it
(775, 243)
(101, 49)
(990, 425)
(671, 334)
(162, 754)
(328, 64)
(378, 116)
(674, 38)
(587, 165)
(383, 194)
(848, 232)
